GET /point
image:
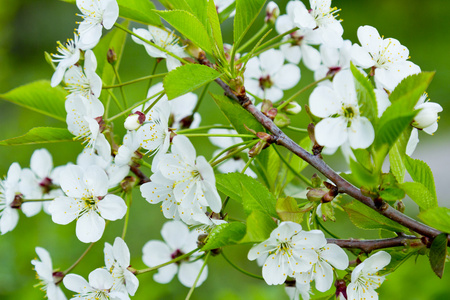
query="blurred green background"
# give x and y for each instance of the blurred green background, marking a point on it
(30, 27)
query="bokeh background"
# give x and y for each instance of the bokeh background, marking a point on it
(30, 27)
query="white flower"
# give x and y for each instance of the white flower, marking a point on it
(195, 183)
(9, 187)
(132, 141)
(365, 278)
(44, 270)
(387, 56)
(96, 14)
(272, 12)
(87, 201)
(329, 256)
(266, 76)
(134, 121)
(293, 292)
(41, 181)
(84, 81)
(177, 241)
(117, 261)
(160, 189)
(321, 17)
(326, 102)
(98, 287)
(69, 55)
(162, 38)
(334, 59)
(300, 48)
(290, 250)
(426, 120)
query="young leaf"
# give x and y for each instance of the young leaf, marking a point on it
(246, 13)
(200, 10)
(365, 94)
(40, 135)
(256, 196)
(216, 32)
(139, 10)
(188, 25)
(181, 5)
(438, 254)
(230, 184)
(224, 14)
(421, 172)
(296, 162)
(438, 217)
(366, 218)
(411, 88)
(287, 209)
(40, 97)
(419, 194)
(259, 227)
(187, 78)
(224, 235)
(363, 177)
(397, 155)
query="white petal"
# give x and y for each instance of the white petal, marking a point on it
(334, 255)
(287, 77)
(361, 57)
(175, 234)
(165, 274)
(275, 269)
(96, 180)
(112, 207)
(344, 85)
(63, 210)
(313, 239)
(311, 57)
(31, 208)
(182, 146)
(111, 13)
(323, 276)
(90, 227)
(369, 38)
(324, 102)
(72, 182)
(155, 253)
(331, 132)
(361, 133)
(189, 271)
(412, 142)
(76, 283)
(101, 279)
(9, 220)
(271, 61)
(109, 255)
(293, 54)
(121, 253)
(41, 163)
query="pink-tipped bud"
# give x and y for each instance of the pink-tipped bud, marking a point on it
(272, 12)
(134, 121)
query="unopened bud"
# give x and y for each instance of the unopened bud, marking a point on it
(17, 202)
(282, 120)
(134, 121)
(427, 115)
(341, 289)
(316, 194)
(293, 108)
(128, 183)
(111, 56)
(316, 181)
(400, 206)
(272, 12)
(257, 148)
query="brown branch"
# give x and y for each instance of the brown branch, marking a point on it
(370, 245)
(315, 161)
(142, 177)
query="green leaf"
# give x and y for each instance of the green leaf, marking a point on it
(40, 97)
(397, 155)
(365, 94)
(392, 193)
(141, 11)
(411, 88)
(188, 25)
(256, 196)
(438, 254)
(187, 78)
(224, 14)
(200, 10)
(287, 209)
(40, 135)
(296, 162)
(398, 257)
(419, 194)
(366, 218)
(216, 32)
(181, 5)
(236, 115)
(363, 177)
(230, 184)
(246, 13)
(224, 235)
(421, 172)
(438, 217)
(259, 227)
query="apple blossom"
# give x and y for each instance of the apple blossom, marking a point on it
(48, 282)
(87, 201)
(69, 54)
(96, 14)
(178, 240)
(98, 287)
(9, 188)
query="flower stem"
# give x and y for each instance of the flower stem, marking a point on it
(155, 66)
(297, 129)
(200, 98)
(150, 43)
(115, 99)
(35, 200)
(127, 216)
(198, 277)
(247, 165)
(216, 135)
(240, 269)
(282, 105)
(105, 87)
(137, 272)
(253, 38)
(132, 107)
(232, 153)
(121, 87)
(203, 128)
(154, 103)
(79, 259)
(228, 149)
(300, 176)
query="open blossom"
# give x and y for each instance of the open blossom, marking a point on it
(334, 60)
(41, 181)
(160, 189)
(178, 240)
(162, 38)
(267, 76)
(96, 14)
(387, 56)
(87, 201)
(294, 292)
(117, 261)
(9, 187)
(365, 278)
(321, 18)
(290, 250)
(342, 118)
(69, 54)
(44, 270)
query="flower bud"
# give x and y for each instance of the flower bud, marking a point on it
(316, 181)
(341, 289)
(315, 195)
(272, 12)
(281, 120)
(134, 121)
(293, 108)
(111, 56)
(427, 115)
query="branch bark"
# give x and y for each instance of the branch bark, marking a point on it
(370, 245)
(314, 160)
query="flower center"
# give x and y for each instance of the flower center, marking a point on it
(324, 15)
(265, 82)
(46, 185)
(178, 253)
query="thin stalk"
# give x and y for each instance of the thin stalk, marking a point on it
(105, 87)
(115, 99)
(200, 98)
(297, 129)
(150, 43)
(232, 153)
(79, 259)
(107, 105)
(216, 135)
(256, 53)
(325, 229)
(253, 38)
(240, 269)
(35, 200)
(125, 102)
(133, 107)
(145, 164)
(203, 128)
(154, 103)
(138, 272)
(225, 202)
(198, 277)
(127, 216)
(228, 149)
(155, 66)
(282, 105)
(300, 176)
(247, 165)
